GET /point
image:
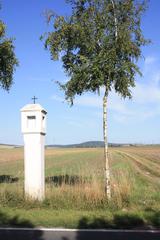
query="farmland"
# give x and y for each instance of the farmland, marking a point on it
(75, 188)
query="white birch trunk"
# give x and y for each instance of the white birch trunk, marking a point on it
(115, 20)
(107, 171)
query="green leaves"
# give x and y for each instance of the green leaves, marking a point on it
(99, 45)
(8, 60)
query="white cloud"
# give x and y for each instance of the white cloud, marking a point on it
(117, 104)
(89, 101)
(79, 122)
(145, 103)
(124, 110)
(156, 79)
(150, 60)
(146, 93)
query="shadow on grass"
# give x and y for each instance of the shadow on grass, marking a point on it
(6, 220)
(119, 222)
(65, 179)
(154, 218)
(129, 221)
(123, 221)
(17, 222)
(8, 179)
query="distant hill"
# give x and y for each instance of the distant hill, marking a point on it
(89, 144)
(9, 146)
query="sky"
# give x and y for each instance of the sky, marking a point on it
(129, 121)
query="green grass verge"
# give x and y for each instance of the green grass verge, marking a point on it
(78, 219)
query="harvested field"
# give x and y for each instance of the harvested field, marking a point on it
(75, 180)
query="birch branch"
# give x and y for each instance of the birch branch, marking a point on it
(115, 20)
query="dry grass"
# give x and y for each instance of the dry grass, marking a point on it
(123, 185)
(77, 177)
(61, 151)
(81, 194)
(10, 155)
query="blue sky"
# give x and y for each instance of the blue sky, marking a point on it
(134, 121)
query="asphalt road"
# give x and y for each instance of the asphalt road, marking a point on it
(63, 234)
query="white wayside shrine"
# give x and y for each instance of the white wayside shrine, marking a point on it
(33, 120)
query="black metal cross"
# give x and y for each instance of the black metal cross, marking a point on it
(34, 99)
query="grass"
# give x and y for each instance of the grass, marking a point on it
(75, 189)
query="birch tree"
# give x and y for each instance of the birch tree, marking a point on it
(99, 45)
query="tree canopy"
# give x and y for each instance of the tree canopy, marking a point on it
(8, 60)
(99, 45)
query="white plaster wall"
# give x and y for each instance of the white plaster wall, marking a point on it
(40, 123)
(34, 165)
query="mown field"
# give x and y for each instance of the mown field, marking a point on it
(75, 189)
